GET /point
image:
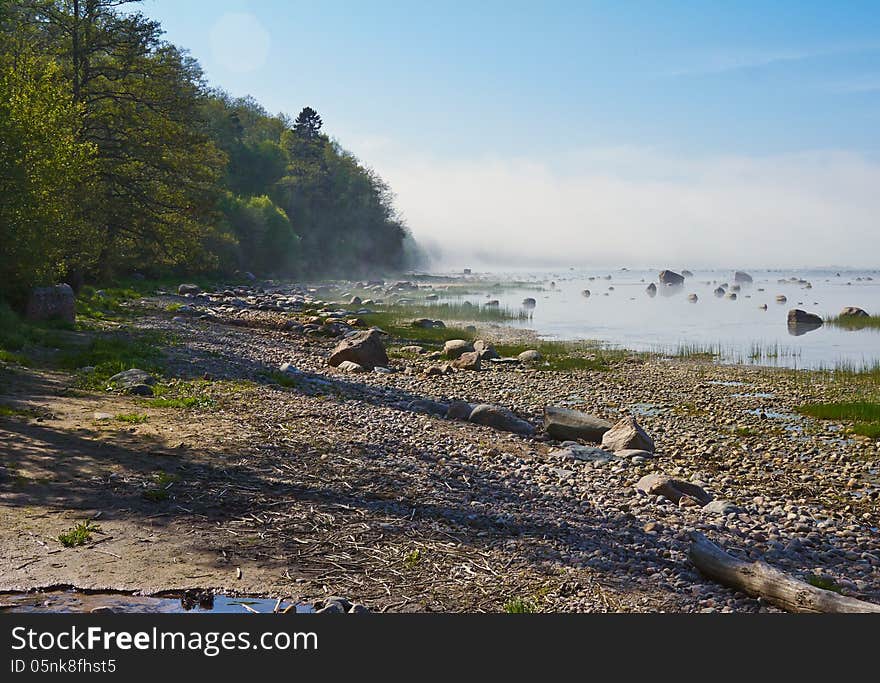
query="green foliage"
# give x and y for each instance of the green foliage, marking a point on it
(520, 606)
(132, 418)
(850, 322)
(42, 163)
(865, 415)
(267, 241)
(116, 159)
(78, 535)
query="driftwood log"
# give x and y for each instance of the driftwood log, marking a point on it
(759, 579)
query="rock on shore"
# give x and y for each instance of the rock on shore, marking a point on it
(563, 424)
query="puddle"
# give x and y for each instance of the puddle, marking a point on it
(202, 603)
(773, 415)
(644, 409)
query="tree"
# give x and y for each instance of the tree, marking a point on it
(157, 171)
(42, 165)
(308, 124)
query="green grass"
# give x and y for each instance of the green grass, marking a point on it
(78, 535)
(12, 411)
(112, 353)
(849, 322)
(826, 583)
(182, 395)
(400, 328)
(864, 415)
(565, 356)
(457, 311)
(412, 559)
(520, 606)
(159, 492)
(745, 431)
(105, 304)
(132, 418)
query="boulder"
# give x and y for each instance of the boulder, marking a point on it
(781, 298)
(854, 312)
(586, 293)
(412, 349)
(500, 418)
(469, 360)
(530, 356)
(651, 289)
(634, 453)
(364, 348)
(425, 405)
(693, 298)
(459, 410)
(51, 303)
(529, 302)
(720, 292)
(427, 323)
(455, 347)
(566, 424)
(657, 484)
(668, 277)
(351, 366)
(627, 434)
(798, 317)
(485, 349)
(686, 273)
(720, 507)
(742, 277)
(130, 378)
(185, 289)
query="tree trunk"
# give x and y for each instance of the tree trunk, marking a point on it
(759, 579)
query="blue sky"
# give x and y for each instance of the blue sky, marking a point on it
(724, 99)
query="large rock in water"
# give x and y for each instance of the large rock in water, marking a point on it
(798, 317)
(499, 418)
(668, 277)
(627, 434)
(742, 277)
(566, 424)
(51, 303)
(364, 348)
(185, 289)
(854, 312)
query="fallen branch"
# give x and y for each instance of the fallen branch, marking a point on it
(759, 580)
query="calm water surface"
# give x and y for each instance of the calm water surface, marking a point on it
(620, 312)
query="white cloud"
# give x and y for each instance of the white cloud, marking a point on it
(632, 207)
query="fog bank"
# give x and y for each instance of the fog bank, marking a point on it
(640, 207)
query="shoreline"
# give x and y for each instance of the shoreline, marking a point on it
(348, 483)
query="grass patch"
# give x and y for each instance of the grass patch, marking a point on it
(849, 322)
(412, 559)
(105, 304)
(745, 431)
(182, 395)
(520, 606)
(12, 411)
(109, 354)
(78, 535)
(400, 329)
(826, 583)
(159, 491)
(865, 415)
(458, 311)
(132, 418)
(565, 356)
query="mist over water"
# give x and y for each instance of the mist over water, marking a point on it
(620, 312)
